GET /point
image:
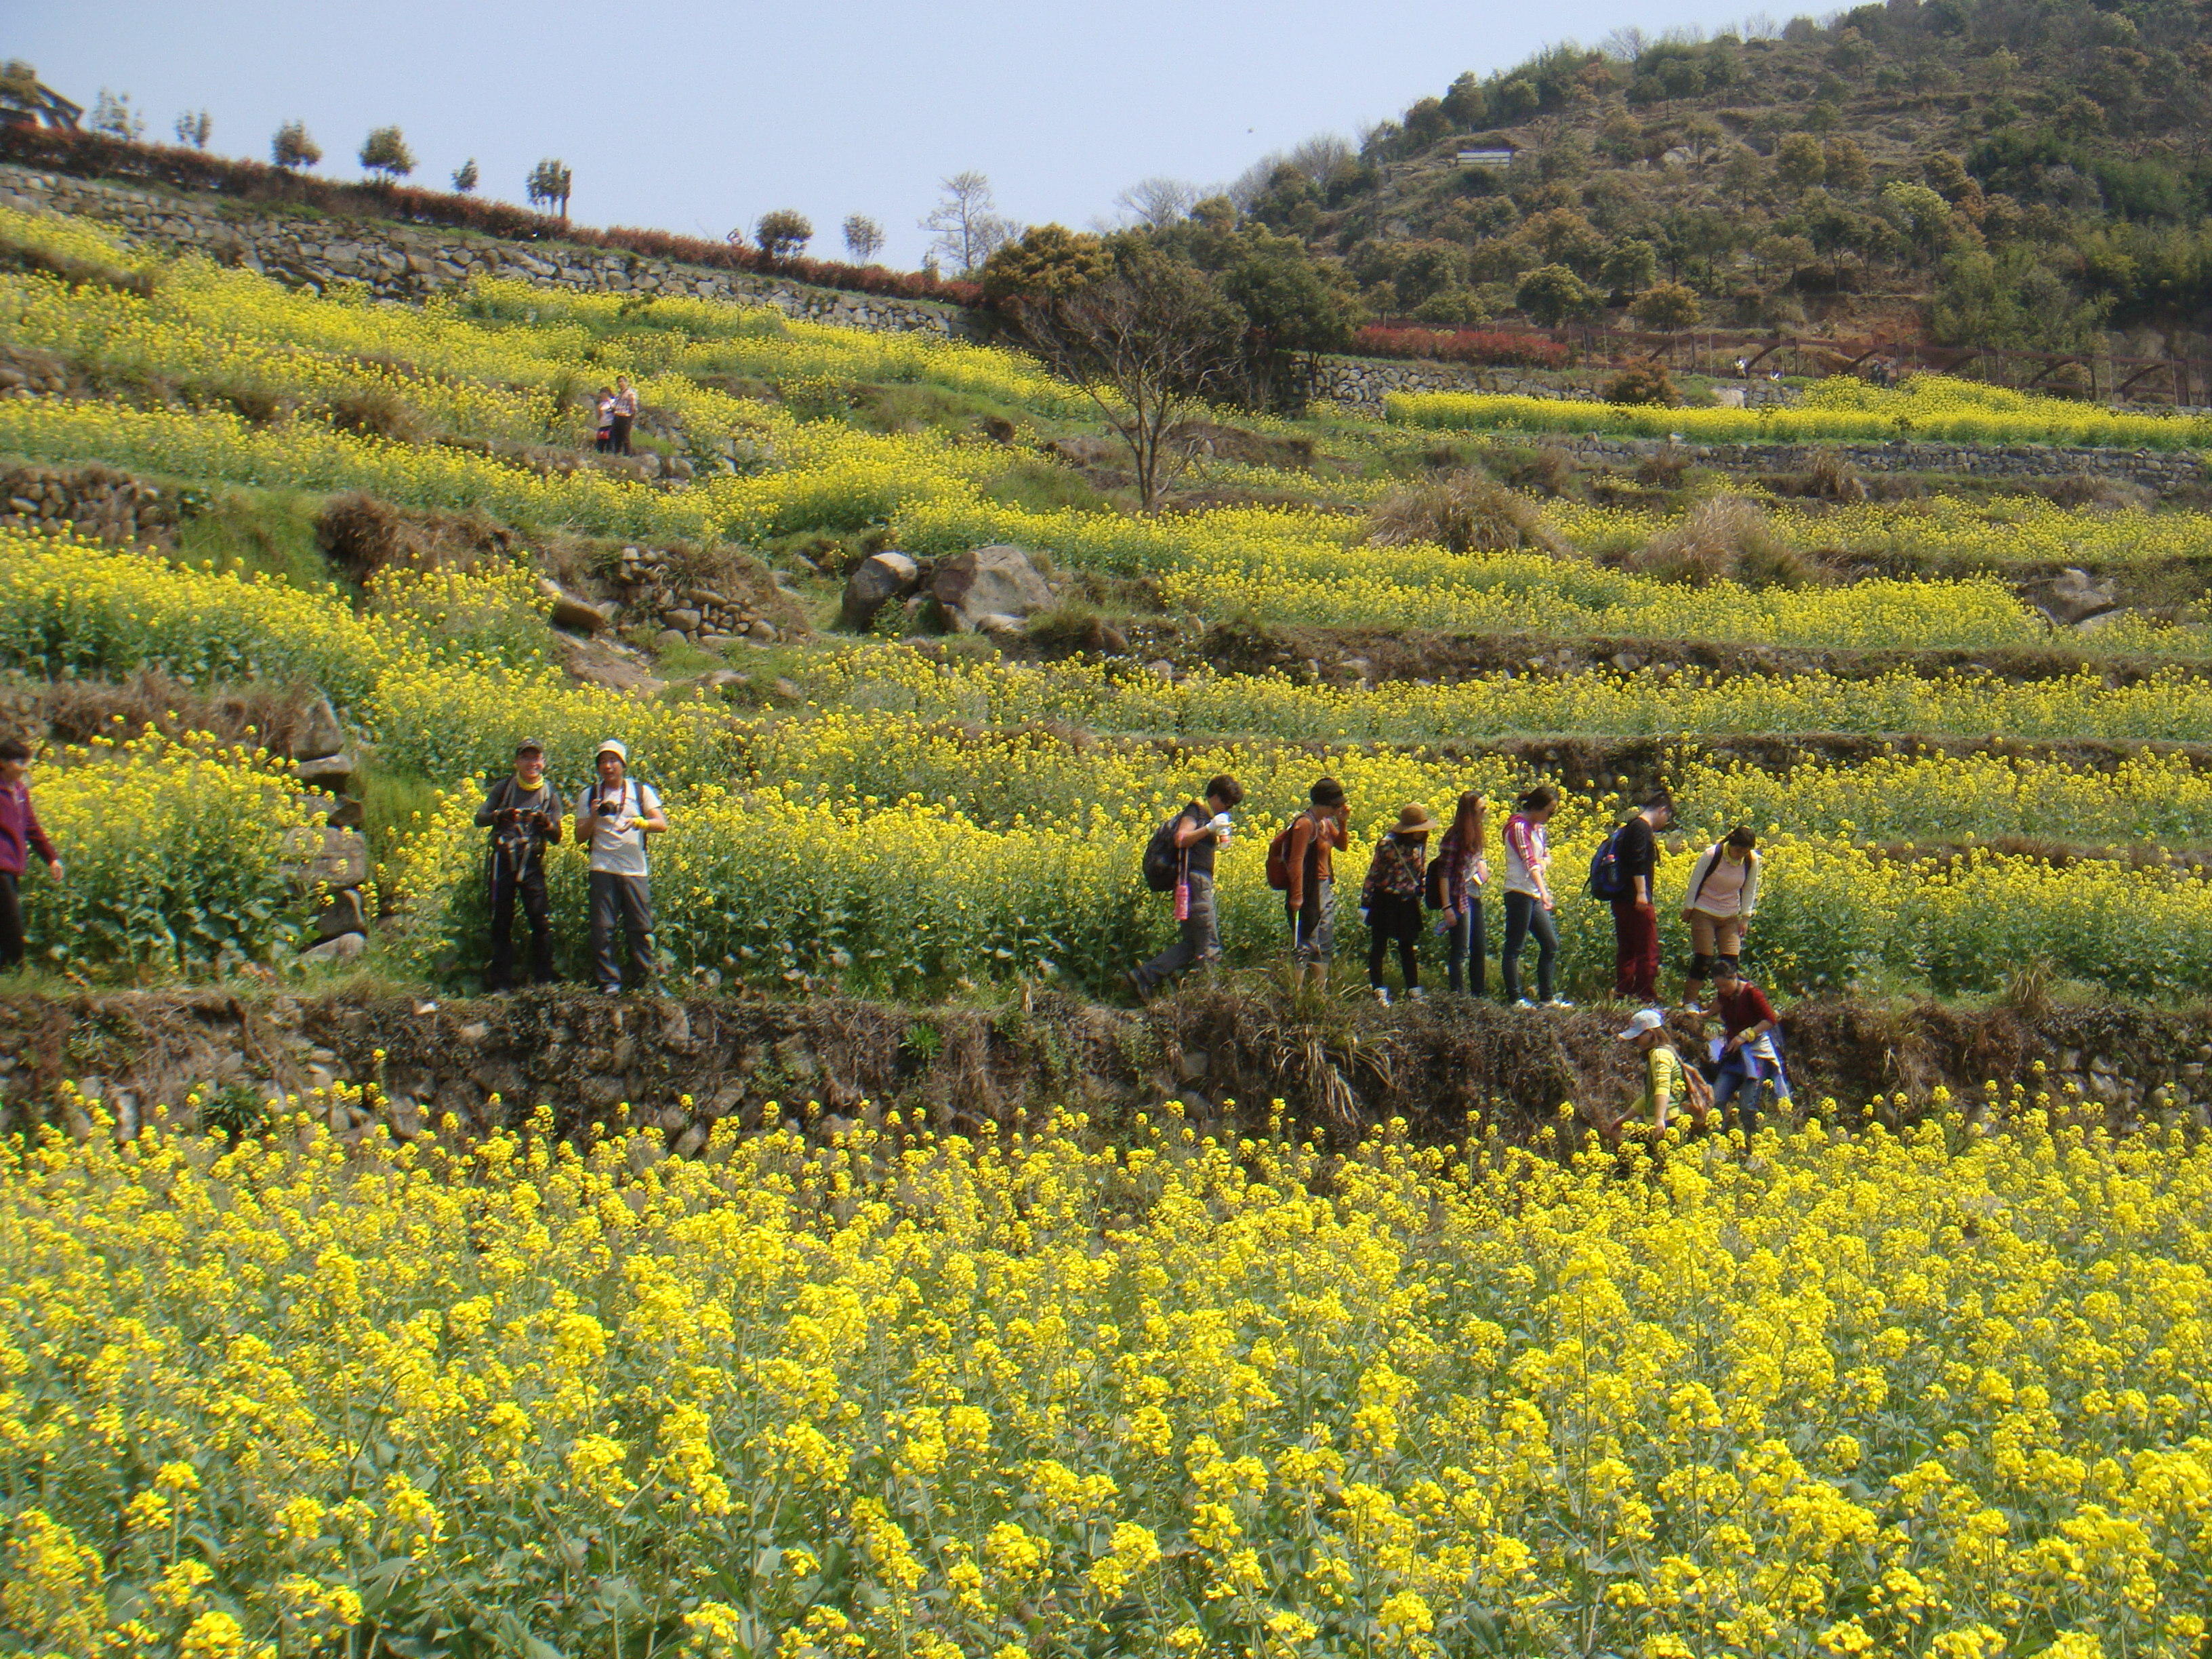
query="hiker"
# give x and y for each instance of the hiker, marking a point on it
(624, 416)
(1635, 849)
(1309, 846)
(603, 439)
(1456, 879)
(1723, 894)
(1529, 902)
(1390, 899)
(1749, 1055)
(523, 813)
(1180, 860)
(1666, 1088)
(614, 815)
(21, 835)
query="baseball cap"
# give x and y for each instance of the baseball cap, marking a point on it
(614, 746)
(530, 746)
(1644, 1019)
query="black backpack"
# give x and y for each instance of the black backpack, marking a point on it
(1606, 881)
(1163, 857)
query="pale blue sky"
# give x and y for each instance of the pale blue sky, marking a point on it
(697, 117)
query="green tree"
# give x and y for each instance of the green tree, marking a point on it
(548, 184)
(1630, 267)
(1666, 308)
(1466, 104)
(294, 147)
(1922, 217)
(782, 232)
(465, 177)
(1552, 294)
(1048, 262)
(1799, 160)
(1844, 165)
(385, 150)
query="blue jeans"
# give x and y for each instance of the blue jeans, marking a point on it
(1525, 914)
(1739, 1088)
(1467, 949)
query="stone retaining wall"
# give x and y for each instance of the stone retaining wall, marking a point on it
(2154, 470)
(408, 262)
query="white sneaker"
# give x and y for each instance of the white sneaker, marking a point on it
(1417, 994)
(1558, 1002)
(1524, 1003)
(1382, 995)
(1691, 1008)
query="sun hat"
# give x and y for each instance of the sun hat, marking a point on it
(1643, 1020)
(1414, 820)
(614, 746)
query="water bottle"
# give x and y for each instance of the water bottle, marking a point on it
(1183, 899)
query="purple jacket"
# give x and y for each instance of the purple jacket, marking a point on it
(19, 828)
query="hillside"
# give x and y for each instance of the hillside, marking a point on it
(1973, 172)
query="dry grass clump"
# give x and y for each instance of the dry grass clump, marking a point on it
(1723, 538)
(373, 412)
(362, 535)
(1463, 511)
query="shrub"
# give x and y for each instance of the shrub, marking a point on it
(1644, 383)
(1727, 537)
(1492, 347)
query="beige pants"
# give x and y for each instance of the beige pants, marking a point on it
(1715, 936)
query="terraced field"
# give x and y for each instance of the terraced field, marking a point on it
(997, 1388)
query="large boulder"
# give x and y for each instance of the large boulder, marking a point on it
(2073, 597)
(881, 578)
(569, 612)
(318, 735)
(989, 581)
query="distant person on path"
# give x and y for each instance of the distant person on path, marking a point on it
(20, 836)
(1529, 902)
(1723, 894)
(1635, 912)
(1456, 878)
(1315, 836)
(1182, 849)
(1749, 1056)
(625, 415)
(1391, 899)
(523, 813)
(603, 439)
(614, 816)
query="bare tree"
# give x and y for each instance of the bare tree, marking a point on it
(1319, 158)
(966, 223)
(1157, 203)
(195, 127)
(864, 239)
(114, 115)
(1146, 344)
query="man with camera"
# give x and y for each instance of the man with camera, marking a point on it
(524, 816)
(613, 817)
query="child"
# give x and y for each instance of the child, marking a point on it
(603, 441)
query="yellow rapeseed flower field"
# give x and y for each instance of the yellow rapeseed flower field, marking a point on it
(1928, 1393)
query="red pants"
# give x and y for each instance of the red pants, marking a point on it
(1635, 952)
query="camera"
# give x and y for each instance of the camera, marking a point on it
(609, 808)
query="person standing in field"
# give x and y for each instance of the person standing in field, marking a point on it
(1180, 860)
(1750, 1057)
(1723, 895)
(1459, 873)
(1391, 899)
(1528, 902)
(1635, 911)
(614, 815)
(523, 813)
(603, 437)
(1315, 836)
(20, 835)
(624, 416)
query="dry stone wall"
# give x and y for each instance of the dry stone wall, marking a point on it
(2154, 469)
(407, 262)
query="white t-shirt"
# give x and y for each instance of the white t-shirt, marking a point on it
(618, 852)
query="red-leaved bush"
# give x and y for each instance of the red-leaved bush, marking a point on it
(96, 155)
(1492, 348)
